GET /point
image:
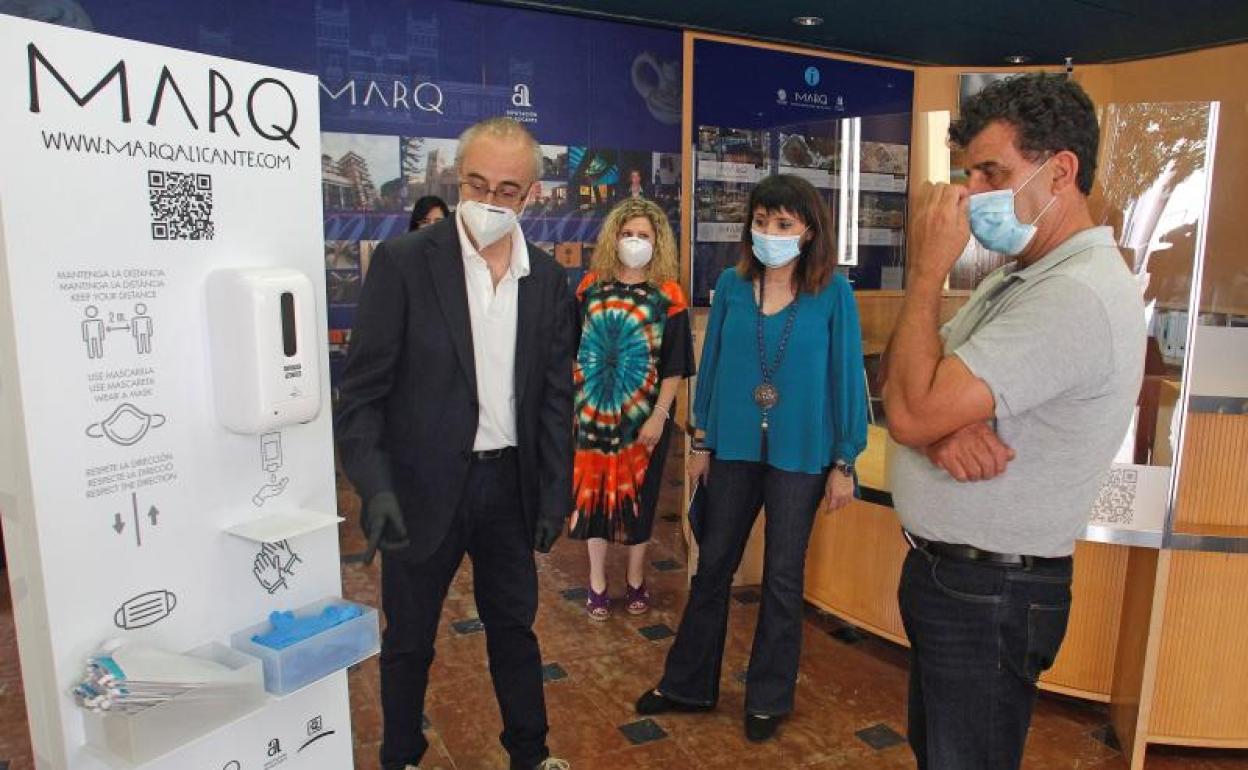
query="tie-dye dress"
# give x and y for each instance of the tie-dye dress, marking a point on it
(633, 336)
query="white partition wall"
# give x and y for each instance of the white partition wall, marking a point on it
(130, 172)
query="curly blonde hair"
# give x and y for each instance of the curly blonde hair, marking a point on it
(664, 266)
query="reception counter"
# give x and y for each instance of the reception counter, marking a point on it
(1158, 618)
(1155, 633)
(854, 565)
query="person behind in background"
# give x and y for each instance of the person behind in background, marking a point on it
(633, 186)
(780, 414)
(1027, 393)
(454, 424)
(426, 211)
(636, 348)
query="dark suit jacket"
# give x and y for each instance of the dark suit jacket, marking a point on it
(407, 413)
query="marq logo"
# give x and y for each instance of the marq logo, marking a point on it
(424, 96)
(520, 96)
(782, 96)
(812, 76)
(221, 98)
(811, 98)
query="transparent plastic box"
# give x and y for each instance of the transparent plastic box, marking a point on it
(142, 737)
(316, 657)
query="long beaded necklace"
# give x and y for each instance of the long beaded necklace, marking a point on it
(767, 395)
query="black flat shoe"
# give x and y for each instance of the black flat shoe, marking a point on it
(653, 702)
(760, 728)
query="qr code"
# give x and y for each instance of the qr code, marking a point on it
(1115, 503)
(181, 206)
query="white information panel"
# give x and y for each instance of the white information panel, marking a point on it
(131, 172)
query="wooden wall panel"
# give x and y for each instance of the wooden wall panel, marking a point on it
(1201, 689)
(877, 312)
(1136, 621)
(1085, 665)
(854, 565)
(1213, 488)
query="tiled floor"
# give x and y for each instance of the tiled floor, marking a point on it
(851, 691)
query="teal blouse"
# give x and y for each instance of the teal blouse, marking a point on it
(821, 416)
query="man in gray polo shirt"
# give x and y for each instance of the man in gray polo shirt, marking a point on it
(1027, 393)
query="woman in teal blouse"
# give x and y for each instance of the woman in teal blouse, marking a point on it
(780, 414)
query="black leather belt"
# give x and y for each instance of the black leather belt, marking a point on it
(961, 552)
(486, 455)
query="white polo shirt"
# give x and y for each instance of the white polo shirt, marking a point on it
(494, 315)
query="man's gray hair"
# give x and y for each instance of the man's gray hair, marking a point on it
(500, 128)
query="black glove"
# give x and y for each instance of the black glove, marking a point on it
(546, 533)
(382, 522)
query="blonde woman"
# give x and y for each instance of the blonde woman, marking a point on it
(636, 347)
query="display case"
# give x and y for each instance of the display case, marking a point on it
(859, 164)
(844, 126)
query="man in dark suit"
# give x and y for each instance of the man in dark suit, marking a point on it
(455, 425)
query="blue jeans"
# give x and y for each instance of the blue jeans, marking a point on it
(735, 492)
(980, 637)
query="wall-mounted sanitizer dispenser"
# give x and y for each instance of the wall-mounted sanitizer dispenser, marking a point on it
(265, 348)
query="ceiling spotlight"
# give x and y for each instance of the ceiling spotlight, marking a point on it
(807, 21)
(1017, 59)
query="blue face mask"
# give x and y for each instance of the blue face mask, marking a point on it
(776, 250)
(995, 223)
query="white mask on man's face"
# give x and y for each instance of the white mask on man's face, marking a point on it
(487, 223)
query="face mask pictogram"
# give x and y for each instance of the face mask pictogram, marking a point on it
(126, 426)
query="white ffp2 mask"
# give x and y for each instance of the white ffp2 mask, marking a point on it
(635, 252)
(487, 223)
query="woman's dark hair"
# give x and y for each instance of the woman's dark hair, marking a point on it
(1051, 113)
(817, 261)
(423, 207)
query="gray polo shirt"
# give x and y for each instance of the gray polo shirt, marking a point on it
(1061, 345)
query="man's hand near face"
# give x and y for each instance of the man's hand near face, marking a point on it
(941, 228)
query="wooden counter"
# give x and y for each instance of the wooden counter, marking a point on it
(1182, 676)
(854, 565)
(853, 568)
(1158, 634)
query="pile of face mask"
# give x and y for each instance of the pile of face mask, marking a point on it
(128, 678)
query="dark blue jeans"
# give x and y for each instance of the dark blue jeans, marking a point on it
(735, 492)
(981, 635)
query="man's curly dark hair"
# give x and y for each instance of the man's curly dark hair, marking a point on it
(1050, 112)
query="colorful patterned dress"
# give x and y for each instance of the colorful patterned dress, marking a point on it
(633, 336)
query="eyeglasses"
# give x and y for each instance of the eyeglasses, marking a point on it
(507, 193)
